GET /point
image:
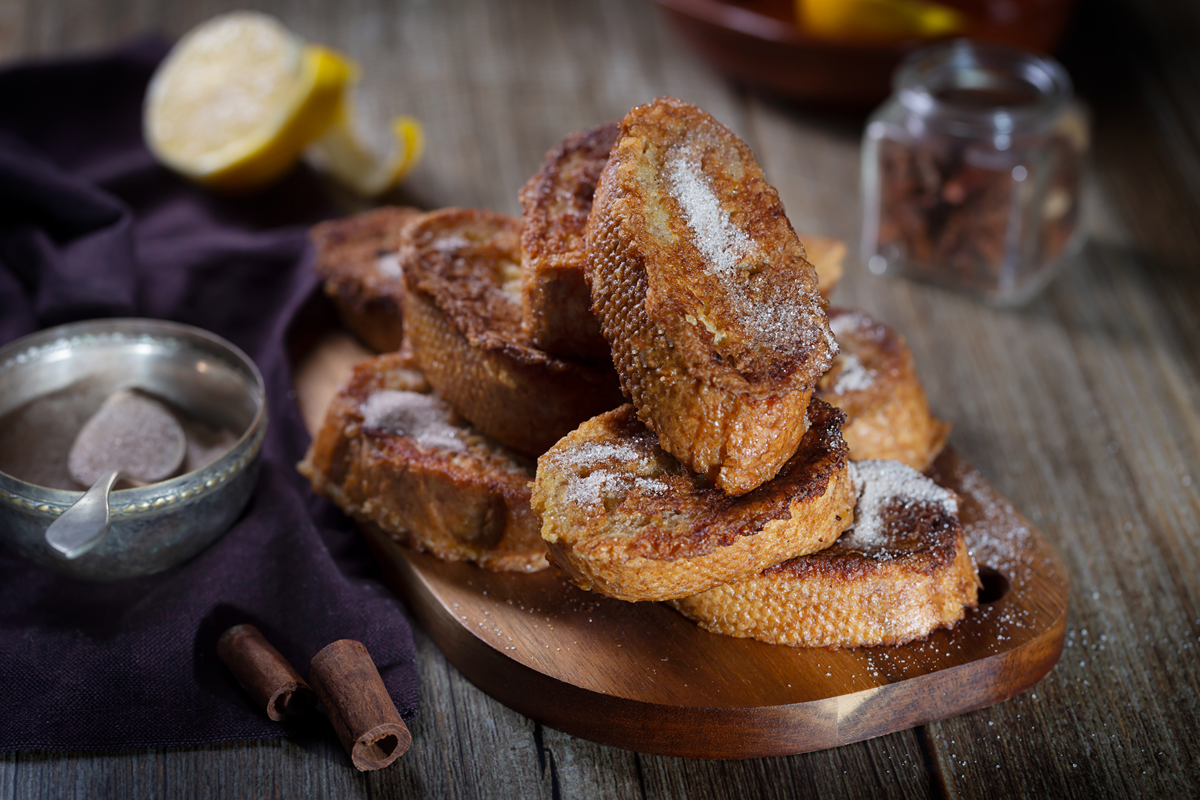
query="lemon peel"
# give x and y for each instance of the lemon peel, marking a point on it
(878, 20)
(344, 154)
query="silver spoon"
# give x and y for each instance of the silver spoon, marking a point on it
(133, 436)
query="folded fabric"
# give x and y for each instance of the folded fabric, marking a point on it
(91, 226)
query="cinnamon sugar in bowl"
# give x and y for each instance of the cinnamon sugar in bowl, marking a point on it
(53, 381)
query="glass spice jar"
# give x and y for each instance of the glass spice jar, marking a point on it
(971, 171)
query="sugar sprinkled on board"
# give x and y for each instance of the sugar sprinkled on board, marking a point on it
(425, 418)
(879, 484)
(997, 536)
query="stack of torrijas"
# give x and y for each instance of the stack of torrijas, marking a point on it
(715, 485)
(434, 444)
(725, 465)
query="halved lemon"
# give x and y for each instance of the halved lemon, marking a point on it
(239, 98)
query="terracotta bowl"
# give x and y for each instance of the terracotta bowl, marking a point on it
(756, 42)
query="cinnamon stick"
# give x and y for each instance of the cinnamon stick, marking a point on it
(264, 673)
(357, 703)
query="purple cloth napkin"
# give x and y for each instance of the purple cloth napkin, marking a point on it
(91, 226)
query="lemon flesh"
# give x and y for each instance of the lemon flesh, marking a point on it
(238, 98)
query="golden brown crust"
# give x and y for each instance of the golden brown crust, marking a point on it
(463, 318)
(624, 518)
(462, 499)
(905, 578)
(827, 255)
(702, 289)
(874, 381)
(555, 205)
(356, 259)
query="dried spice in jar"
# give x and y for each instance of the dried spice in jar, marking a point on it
(971, 171)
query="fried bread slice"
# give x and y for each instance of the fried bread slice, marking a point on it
(703, 291)
(624, 518)
(392, 454)
(462, 313)
(827, 255)
(874, 381)
(356, 259)
(901, 572)
(555, 203)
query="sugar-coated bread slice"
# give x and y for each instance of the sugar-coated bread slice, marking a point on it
(901, 572)
(356, 258)
(874, 381)
(555, 203)
(392, 454)
(624, 518)
(702, 290)
(462, 312)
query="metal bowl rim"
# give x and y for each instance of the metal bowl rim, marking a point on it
(155, 497)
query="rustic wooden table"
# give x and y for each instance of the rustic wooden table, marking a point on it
(1082, 408)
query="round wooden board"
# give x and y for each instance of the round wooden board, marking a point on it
(642, 677)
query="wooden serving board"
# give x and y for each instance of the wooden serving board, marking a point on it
(642, 677)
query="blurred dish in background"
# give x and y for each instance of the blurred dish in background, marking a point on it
(760, 43)
(879, 20)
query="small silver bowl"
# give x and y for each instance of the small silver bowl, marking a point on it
(52, 381)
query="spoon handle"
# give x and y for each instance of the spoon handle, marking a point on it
(82, 525)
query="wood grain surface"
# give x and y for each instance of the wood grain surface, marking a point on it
(1081, 408)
